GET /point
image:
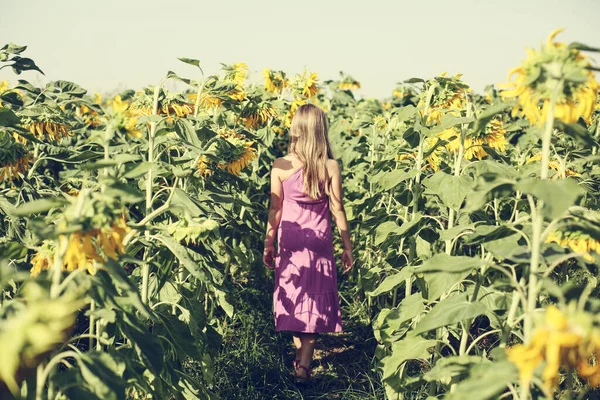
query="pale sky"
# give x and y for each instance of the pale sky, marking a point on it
(105, 45)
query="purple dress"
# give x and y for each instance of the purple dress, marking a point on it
(305, 298)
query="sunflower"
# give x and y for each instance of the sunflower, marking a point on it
(386, 105)
(238, 94)
(275, 81)
(123, 117)
(259, 116)
(90, 117)
(83, 247)
(14, 158)
(310, 85)
(168, 104)
(207, 100)
(577, 241)
(349, 85)
(562, 342)
(43, 128)
(237, 73)
(3, 86)
(434, 159)
(248, 154)
(538, 76)
(449, 96)
(380, 123)
(42, 260)
(243, 154)
(555, 165)
(203, 166)
(290, 114)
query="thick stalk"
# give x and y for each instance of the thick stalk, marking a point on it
(149, 182)
(537, 221)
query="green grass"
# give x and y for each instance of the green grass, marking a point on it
(255, 361)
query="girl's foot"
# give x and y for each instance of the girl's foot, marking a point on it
(302, 374)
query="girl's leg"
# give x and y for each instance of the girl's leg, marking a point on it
(298, 344)
(309, 342)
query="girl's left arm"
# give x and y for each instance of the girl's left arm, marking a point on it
(274, 216)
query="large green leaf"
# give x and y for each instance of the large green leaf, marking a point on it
(450, 311)
(102, 374)
(451, 189)
(390, 282)
(391, 179)
(557, 195)
(184, 258)
(390, 227)
(8, 118)
(410, 348)
(485, 381)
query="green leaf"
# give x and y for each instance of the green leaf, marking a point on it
(184, 258)
(38, 206)
(390, 227)
(451, 189)
(486, 115)
(190, 61)
(443, 262)
(578, 132)
(391, 179)
(118, 159)
(485, 381)
(8, 118)
(446, 370)
(410, 348)
(102, 374)
(406, 113)
(390, 282)
(450, 311)
(557, 195)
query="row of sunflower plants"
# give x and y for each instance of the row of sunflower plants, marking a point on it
(122, 222)
(479, 226)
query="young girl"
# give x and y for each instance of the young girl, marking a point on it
(305, 184)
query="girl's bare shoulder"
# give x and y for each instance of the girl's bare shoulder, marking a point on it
(333, 167)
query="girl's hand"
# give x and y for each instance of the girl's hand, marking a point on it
(347, 260)
(269, 256)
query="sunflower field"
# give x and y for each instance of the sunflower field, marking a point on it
(131, 223)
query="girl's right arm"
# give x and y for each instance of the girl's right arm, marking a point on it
(339, 213)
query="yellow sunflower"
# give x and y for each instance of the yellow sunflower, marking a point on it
(538, 76)
(43, 129)
(83, 247)
(275, 81)
(13, 166)
(259, 116)
(203, 166)
(310, 85)
(562, 342)
(555, 165)
(577, 241)
(450, 96)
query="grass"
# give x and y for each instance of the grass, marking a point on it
(255, 361)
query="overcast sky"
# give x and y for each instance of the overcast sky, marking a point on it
(116, 44)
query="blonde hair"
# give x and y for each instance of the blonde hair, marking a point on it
(309, 142)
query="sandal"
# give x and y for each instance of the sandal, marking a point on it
(300, 379)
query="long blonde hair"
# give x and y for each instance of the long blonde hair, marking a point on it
(309, 142)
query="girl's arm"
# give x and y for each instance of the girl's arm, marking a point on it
(339, 213)
(274, 216)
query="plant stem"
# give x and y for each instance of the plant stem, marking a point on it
(537, 220)
(149, 182)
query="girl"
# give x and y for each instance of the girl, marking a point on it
(305, 185)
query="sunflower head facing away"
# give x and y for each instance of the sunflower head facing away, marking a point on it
(449, 95)
(559, 68)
